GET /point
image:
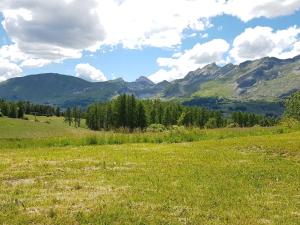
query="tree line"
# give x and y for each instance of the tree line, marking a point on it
(20, 108)
(130, 113)
(244, 119)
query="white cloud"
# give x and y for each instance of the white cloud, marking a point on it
(156, 23)
(50, 31)
(34, 63)
(8, 70)
(44, 32)
(248, 10)
(181, 63)
(59, 29)
(138, 23)
(88, 72)
(260, 42)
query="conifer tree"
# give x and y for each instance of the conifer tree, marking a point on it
(68, 116)
(141, 116)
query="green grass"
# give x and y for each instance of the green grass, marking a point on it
(217, 88)
(44, 127)
(53, 132)
(273, 89)
(228, 176)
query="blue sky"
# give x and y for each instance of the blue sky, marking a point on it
(114, 40)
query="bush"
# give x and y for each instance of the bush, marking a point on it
(211, 123)
(92, 140)
(289, 123)
(233, 125)
(292, 106)
(280, 131)
(156, 128)
(177, 128)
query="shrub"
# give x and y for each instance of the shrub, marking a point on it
(292, 106)
(289, 123)
(211, 123)
(232, 125)
(156, 128)
(92, 140)
(177, 128)
(280, 131)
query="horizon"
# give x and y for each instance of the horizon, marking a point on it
(142, 76)
(160, 43)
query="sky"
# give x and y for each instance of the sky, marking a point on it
(100, 40)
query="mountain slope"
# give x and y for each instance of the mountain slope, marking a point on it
(65, 90)
(266, 79)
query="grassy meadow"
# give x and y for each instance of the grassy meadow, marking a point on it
(51, 173)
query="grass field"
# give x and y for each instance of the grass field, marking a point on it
(225, 176)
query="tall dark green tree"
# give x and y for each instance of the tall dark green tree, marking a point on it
(131, 112)
(21, 111)
(68, 116)
(57, 112)
(13, 111)
(141, 116)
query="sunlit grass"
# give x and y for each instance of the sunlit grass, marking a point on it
(53, 132)
(223, 176)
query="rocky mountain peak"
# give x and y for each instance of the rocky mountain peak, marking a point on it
(144, 80)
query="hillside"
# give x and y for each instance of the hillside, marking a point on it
(267, 79)
(264, 80)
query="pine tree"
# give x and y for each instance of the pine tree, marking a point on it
(167, 117)
(131, 112)
(5, 109)
(141, 116)
(57, 112)
(12, 113)
(152, 119)
(68, 116)
(20, 112)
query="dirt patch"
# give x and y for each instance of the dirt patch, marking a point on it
(17, 182)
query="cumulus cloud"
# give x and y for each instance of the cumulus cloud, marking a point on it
(63, 28)
(43, 32)
(181, 63)
(260, 42)
(88, 72)
(54, 30)
(8, 70)
(248, 10)
(156, 23)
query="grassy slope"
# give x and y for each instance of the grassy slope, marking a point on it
(270, 90)
(217, 88)
(46, 127)
(236, 180)
(53, 132)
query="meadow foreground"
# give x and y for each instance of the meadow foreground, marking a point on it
(234, 180)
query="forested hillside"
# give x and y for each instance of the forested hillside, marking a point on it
(259, 86)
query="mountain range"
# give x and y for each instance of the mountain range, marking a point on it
(264, 80)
